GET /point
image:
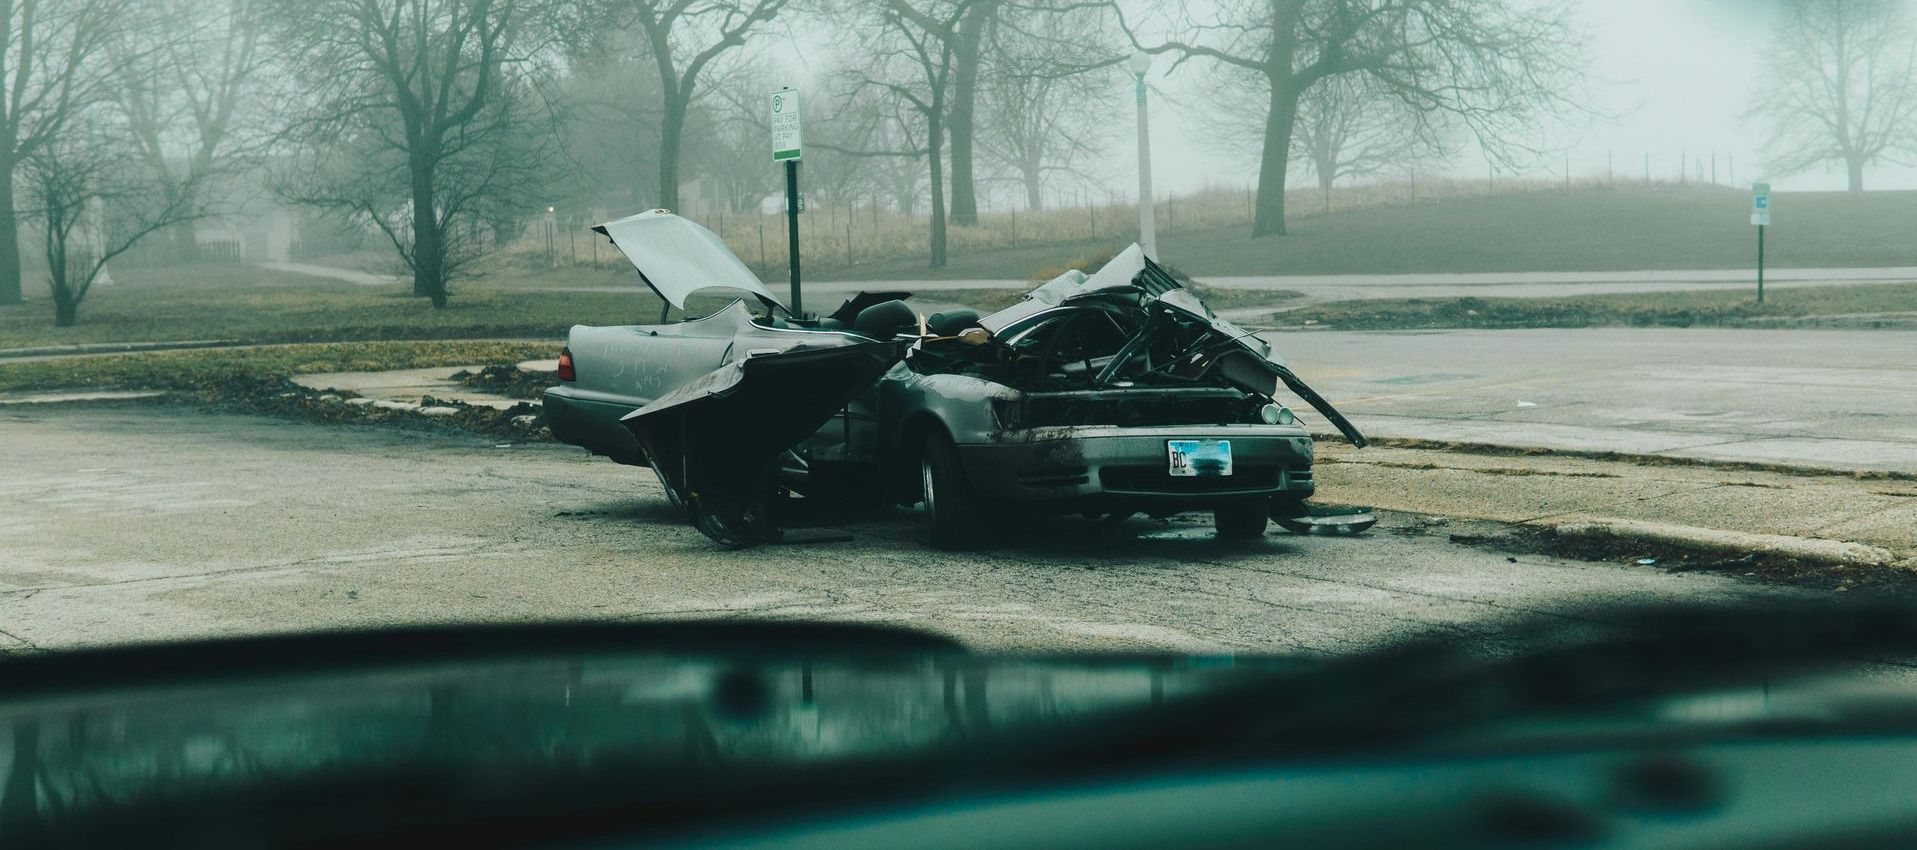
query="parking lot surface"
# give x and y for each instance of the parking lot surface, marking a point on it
(129, 523)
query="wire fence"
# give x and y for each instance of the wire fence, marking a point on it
(848, 235)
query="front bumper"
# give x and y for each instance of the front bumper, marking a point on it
(1129, 464)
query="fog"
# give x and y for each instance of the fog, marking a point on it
(271, 129)
(1676, 76)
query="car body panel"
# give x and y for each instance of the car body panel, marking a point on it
(716, 433)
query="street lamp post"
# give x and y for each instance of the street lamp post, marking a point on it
(1147, 228)
(552, 255)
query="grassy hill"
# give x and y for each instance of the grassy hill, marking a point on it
(1589, 230)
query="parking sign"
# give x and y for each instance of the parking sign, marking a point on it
(787, 137)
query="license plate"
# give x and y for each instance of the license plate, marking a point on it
(1199, 458)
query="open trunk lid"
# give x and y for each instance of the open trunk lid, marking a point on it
(677, 257)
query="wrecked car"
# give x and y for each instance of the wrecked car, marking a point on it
(1107, 394)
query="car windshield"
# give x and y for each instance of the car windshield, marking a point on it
(1150, 348)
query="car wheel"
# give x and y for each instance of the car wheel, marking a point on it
(727, 531)
(950, 505)
(1241, 518)
(672, 497)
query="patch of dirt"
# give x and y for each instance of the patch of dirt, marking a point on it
(1332, 441)
(279, 397)
(1506, 472)
(1758, 566)
(507, 380)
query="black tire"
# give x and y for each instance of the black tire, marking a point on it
(1241, 519)
(951, 507)
(1287, 507)
(672, 498)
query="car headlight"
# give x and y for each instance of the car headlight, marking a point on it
(1273, 414)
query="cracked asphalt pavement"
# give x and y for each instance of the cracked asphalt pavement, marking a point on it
(136, 523)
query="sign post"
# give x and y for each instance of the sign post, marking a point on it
(1761, 218)
(787, 140)
(1141, 62)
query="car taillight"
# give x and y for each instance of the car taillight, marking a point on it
(566, 372)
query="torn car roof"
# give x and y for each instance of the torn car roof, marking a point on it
(1244, 358)
(677, 257)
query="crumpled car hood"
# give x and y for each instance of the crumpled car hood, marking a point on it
(1259, 368)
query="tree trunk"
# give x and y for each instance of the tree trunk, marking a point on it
(672, 128)
(66, 312)
(1855, 166)
(429, 248)
(964, 98)
(936, 163)
(66, 301)
(9, 239)
(1324, 188)
(1034, 180)
(184, 243)
(1269, 215)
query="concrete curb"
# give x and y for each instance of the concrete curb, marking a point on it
(1516, 450)
(1806, 549)
(117, 348)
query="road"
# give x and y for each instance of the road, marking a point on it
(1319, 288)
(1483, 285)
(126, 523)
(1836, 399)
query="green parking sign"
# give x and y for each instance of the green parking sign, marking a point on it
(787, 135)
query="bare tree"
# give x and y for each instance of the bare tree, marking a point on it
(93, 206)
(1346, 130)
(968, 42)
(1498, 69)
(612, 97)
(183, 101)
(900, 176)
(909, 45)
(56, 66)
(683, 37)
(436, 96)
(1042, 97)
(1841, 86)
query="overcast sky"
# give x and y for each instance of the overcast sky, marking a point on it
(1678, 73)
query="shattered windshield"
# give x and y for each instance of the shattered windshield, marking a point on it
(1181, 335)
